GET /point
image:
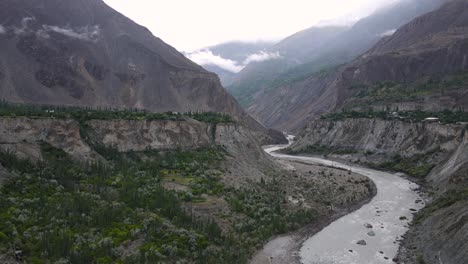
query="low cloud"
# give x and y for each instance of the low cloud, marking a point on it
(90, 33)
(2, 29)
(24, 26)
(388, 33)
(262, 56)
(206, 57)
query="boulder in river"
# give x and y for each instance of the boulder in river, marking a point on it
(371, 233)
(367, 225)
(362, 242)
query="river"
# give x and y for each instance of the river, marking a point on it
(380, 223)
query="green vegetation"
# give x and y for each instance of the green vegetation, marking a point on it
(60, 210)
(414, 166)
(265, 214)
(445, 117)
(120, 212)
(408, 165)
(320, 149)
(447, 199)
(302, 72)
(389, 91)
(274, 74)
(420, 259)
(85, 114)
(123, 210)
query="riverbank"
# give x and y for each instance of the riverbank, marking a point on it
(389, 213)
(285, 248)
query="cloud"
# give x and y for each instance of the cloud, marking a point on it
(206, 57)
(388, 33)
(2, 29)
(90, 33)
(262, 56)
(24, 25)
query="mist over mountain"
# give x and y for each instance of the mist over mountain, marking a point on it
(419, 67)
(321, 48)
(227, 59)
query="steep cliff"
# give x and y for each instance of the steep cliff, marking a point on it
(435, 152)
(382, 138)
(246, 159)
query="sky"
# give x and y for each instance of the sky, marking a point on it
(189, 25)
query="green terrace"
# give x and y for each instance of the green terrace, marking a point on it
(444, 117)
(82, 114)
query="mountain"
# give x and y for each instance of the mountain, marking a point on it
(322, 48)
(222, 58)
(85, 53)
(293, 51)
(434, 53)
(401, 106)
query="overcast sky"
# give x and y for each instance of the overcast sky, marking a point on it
(192, 24)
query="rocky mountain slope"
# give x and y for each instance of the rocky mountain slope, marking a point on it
(321, 48)
(433, 152)
(85, 53)
(419, 67)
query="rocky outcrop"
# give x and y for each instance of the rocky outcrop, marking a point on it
(440, 234)
(245, 157)
(24, 137)
(133, 135)
(381, 136)
(439, 238)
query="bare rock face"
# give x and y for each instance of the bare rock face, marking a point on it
(246, 160)
(130, 135)
(85, 53)
(24, 136)
(381, 136)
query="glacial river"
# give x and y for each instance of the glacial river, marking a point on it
(379, 223)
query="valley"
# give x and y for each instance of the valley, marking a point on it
(116, 147)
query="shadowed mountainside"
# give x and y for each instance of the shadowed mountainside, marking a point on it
(84, 53)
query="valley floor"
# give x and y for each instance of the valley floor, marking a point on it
(285, 248)
(389, 214)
